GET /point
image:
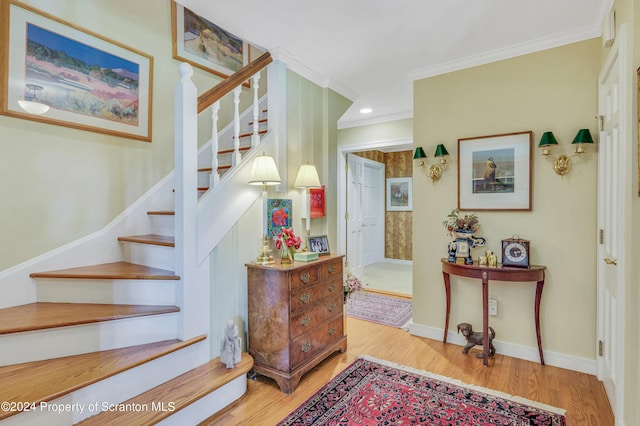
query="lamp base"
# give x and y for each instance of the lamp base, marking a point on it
(264, 258)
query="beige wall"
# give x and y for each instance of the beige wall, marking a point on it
(61, 184)
(377, 133)
(552, 90)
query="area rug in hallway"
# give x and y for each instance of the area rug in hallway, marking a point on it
(376, 392)
(380, 309)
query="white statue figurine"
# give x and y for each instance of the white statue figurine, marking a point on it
(230, 345)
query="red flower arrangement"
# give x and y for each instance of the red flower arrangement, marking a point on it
(287, 243)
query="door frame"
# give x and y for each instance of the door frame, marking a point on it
(396, 144)
(618, 53)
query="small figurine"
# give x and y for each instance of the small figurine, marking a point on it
(475, 338)
(230, 345)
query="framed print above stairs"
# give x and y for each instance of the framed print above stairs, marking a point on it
(81, 79)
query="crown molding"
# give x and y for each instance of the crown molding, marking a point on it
(375, 120)
(580, 34)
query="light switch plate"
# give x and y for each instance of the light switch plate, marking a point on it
(493, 306)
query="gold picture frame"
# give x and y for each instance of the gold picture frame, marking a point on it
(89, 82)
(197, 41)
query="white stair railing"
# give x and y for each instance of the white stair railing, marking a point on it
(214, 178)
(193, 295)
(255, 137)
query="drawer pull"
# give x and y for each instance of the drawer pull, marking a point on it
(306, 320)
(332, 287)
(331, 307)
(332, 331)
(332, 269)
(305, 277)
(306, 347)
(305, 298)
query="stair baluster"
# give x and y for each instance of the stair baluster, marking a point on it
(236, 126)
(214, 178)
(255, 138)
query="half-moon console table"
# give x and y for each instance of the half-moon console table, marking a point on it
(486, 274)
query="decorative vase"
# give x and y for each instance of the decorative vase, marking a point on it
(462, 245)
(286, 255)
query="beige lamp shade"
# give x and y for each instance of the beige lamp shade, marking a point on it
(264, 171)
(307, 177)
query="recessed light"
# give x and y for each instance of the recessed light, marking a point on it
(366, 111)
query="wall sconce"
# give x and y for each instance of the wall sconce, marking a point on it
(435, 171)
(307, 178)
(562, 164)
(264, 172)
(420, 155)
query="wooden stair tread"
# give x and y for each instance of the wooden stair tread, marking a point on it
(41, 381)
(162, 212)
(153, 239)
(114, 271)
(244, 135)
(181, 391)
(230, 151)
(43, 315)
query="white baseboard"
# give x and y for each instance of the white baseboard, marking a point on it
(570, 362)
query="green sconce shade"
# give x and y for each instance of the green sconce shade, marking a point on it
(419, 153)
(548, 139)
(441, 151)
(583, 136)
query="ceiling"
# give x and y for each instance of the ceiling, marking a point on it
(372, 51)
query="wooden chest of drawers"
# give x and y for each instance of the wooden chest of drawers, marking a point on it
(296, 317)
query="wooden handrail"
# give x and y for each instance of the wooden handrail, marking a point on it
(216, 93)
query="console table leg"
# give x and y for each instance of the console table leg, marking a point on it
(536, 308)
(485, 319)
(447, 290)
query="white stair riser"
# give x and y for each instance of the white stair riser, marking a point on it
(162, 224)
(208, 405)
(115, 389)
(64, 341)
(124, 292)
(149, 255)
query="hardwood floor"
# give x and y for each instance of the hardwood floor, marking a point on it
(580, 394)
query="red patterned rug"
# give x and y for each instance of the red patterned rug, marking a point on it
(380, 309)
(374, 392)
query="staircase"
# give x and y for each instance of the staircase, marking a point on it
(127, 339)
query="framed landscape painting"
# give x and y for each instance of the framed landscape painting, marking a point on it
(494, 172)
(204, 44)
(87, 81)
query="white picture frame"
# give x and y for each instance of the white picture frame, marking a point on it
(399, 194)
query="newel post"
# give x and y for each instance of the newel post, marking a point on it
(188, 295)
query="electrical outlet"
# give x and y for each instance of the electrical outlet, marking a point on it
(493, 306)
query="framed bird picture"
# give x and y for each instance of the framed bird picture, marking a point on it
(494, 172)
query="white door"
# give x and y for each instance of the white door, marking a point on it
(355, 178)
(613, 189)
(373, 213)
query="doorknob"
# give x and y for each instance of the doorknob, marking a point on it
(609, 261)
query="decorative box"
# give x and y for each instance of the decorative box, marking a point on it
(305, 256)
